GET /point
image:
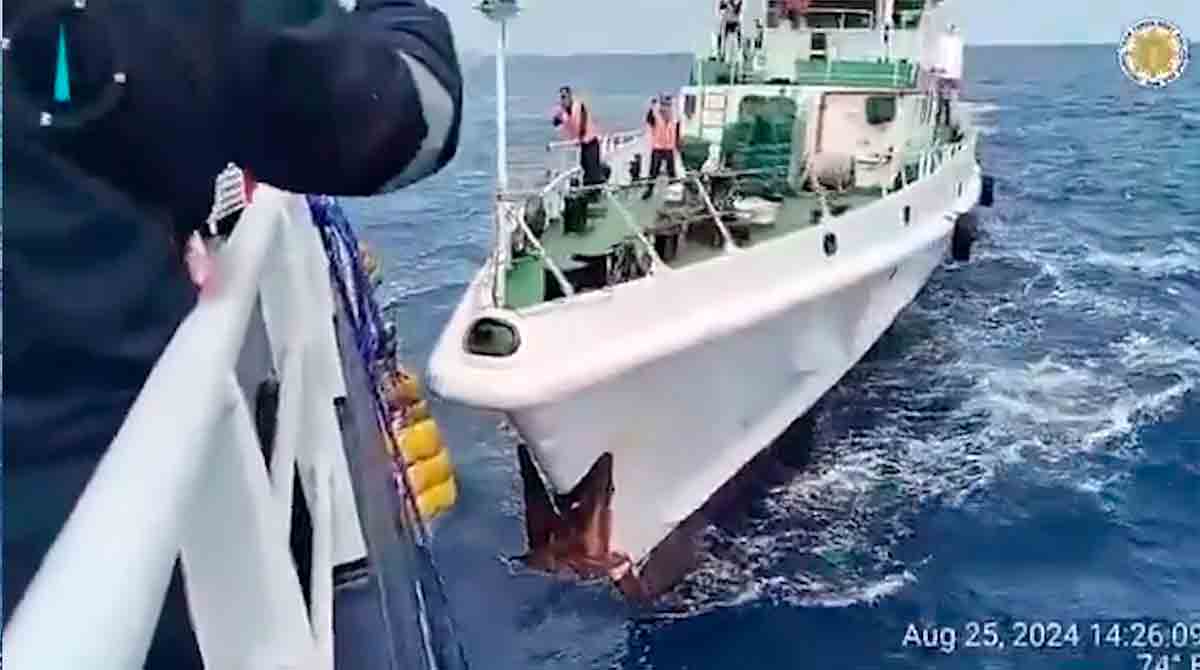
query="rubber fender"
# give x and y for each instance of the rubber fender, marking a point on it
(408, 387)
(963, 238)
(431, 472)
(437, 500)
(401, 390)
(367, 258)
(420, 441)
(416, 412)
(987, 191)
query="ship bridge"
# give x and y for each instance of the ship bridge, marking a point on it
(861, 43)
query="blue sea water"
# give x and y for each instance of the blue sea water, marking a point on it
(1022, 446)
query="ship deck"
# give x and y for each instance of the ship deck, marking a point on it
(688, 236)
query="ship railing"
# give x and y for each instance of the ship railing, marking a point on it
(185, 478)
(925, 162)
(563, 156)
(513, 231)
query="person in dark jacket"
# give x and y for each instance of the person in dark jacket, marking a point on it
(117, 118)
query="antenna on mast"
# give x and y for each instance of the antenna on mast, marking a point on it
(501, 11)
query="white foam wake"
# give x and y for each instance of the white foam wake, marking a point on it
(1047, 372)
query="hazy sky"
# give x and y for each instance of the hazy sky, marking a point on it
(646, 26)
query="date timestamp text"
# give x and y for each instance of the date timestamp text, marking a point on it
(1155, 636)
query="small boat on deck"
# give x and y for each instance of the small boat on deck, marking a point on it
(647, 349)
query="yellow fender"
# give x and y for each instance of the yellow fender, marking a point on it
(420, 441)
(425, 475)
(416, 412)
(401, 389)
(417, 440)
(437, 500)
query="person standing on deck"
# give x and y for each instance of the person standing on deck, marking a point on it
(948, 69)
(730, 33)
(102, 196)
(575, 121)
(664, 132)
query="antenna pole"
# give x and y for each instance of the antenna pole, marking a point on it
(500, 11)
(501, 109)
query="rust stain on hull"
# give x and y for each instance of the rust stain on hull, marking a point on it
(571, 534)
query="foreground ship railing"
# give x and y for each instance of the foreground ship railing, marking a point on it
(185, 478)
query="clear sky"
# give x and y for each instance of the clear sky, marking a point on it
(649, 26)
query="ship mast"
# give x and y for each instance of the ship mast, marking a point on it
(500, 12)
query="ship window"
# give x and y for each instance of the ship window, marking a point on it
(881, 109)
(856, 20)
(493, 337)
(689, 105)
(906, 215)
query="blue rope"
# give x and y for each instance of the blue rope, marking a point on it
(366, 320)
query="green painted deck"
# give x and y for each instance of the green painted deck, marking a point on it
(527, 277)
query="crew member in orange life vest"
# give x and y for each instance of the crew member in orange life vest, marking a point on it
(663, 129)
(574, 119)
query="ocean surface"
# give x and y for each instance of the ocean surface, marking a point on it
(1022, 447)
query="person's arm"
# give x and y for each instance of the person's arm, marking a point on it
(650, 117)
(352, 104)
(678, 136)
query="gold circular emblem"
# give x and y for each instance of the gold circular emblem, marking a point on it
(1153, 52)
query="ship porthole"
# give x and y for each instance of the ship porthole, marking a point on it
(830, 244)
(492, 337)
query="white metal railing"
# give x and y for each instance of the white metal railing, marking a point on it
(514, 220)
(563, 155)
(509, 217)
(185, 478)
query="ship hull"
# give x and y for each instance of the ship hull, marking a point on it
(664, 389)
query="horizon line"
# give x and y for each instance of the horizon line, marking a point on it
(1005, 44)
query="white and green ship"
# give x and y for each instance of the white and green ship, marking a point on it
(647, 349)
